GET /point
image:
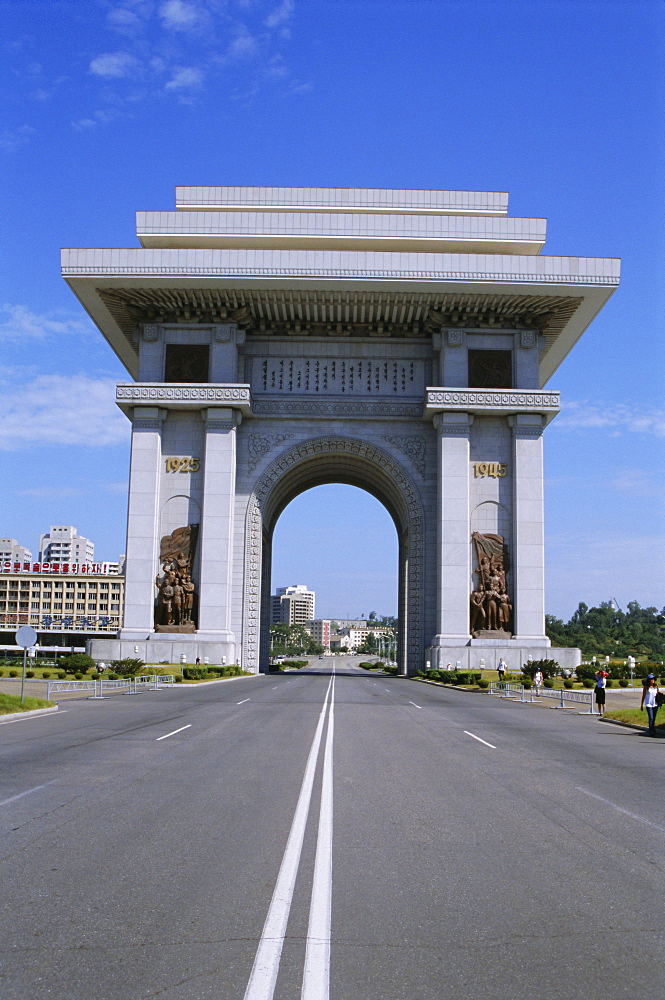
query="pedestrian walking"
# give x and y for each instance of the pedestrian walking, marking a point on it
(538, 681)
(601, 683)
(651, 700)
(501, 668)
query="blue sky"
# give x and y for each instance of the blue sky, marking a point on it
(107, 106)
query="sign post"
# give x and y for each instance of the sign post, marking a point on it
(26, 637)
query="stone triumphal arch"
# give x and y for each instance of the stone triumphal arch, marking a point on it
(281, 338)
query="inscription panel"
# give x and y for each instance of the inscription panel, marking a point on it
(337, 377)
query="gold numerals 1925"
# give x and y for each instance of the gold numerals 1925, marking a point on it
(174, 464)
(497, 470)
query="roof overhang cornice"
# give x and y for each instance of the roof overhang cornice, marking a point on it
(403, 293)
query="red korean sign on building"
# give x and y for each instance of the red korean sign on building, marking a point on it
(99, 569)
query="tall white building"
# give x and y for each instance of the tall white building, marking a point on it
(11, 551)
(63, 544)
(293, 605)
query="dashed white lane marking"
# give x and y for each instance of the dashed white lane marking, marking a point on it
(479, 739)
(316, 977)
(414, 705)
(626, 812)
(262, 980)
(20, 795)
(166, 735)
(242, 702)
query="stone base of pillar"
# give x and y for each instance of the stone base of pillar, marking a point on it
(485, 654)
(162, 649)
(451, 640)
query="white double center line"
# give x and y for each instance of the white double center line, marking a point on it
(261, 985)
(316, 980)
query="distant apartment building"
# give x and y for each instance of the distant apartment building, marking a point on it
(352, 638)
(63, 544)
(350, 623)
(320, 630)
(293, 605)
(12, 552)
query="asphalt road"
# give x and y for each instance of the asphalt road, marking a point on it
(360, 837)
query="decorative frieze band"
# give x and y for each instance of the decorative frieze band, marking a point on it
(492, 401)
(179, 396)
(147, 425)
(294, 408)
(248, 271)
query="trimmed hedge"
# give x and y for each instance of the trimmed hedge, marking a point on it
(199, 672)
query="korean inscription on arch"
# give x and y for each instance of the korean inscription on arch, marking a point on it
(338, 377)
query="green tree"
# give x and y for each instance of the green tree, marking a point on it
(370, 645)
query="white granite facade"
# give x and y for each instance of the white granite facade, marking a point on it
(348, 358)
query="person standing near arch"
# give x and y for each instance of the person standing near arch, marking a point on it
(601, 683)
(650, 692)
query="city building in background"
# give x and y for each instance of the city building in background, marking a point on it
(12, 552)
(352, 638)
(65, 607)
(293, 605)
(320, 630)
(63, 544)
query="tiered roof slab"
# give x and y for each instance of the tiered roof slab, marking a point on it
(340, 262)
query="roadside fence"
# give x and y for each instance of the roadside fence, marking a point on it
(563, 695)
(128, 685)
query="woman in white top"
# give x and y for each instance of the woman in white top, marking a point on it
(649, 692)
(538, 681)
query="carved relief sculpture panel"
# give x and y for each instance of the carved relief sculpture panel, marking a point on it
(491, 608)
(175, 610)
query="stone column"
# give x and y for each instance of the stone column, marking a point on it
(217, 523)
(225, 341)
(528, 556)
(142, 550)
(453, 572)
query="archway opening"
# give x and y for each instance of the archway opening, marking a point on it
(319, 462)
(340, 542)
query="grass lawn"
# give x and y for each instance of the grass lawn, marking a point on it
(12, 703)
(636, 718)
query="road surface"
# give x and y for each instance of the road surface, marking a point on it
(351, 837)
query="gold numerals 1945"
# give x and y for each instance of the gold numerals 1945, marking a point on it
(497, 470)
(175, 464)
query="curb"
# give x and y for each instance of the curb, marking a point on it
(30, 714)
(217, 680)
(628, 725)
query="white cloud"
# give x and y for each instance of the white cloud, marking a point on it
(47, 492)
(243, 46)
(636, 483)
(13, 139)
(60, 410)
(123, 19)
(114, 65)
(180, 16)
(20, 322)
(185, 76)
(614, 417)
(280, 15)
(84, 124)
